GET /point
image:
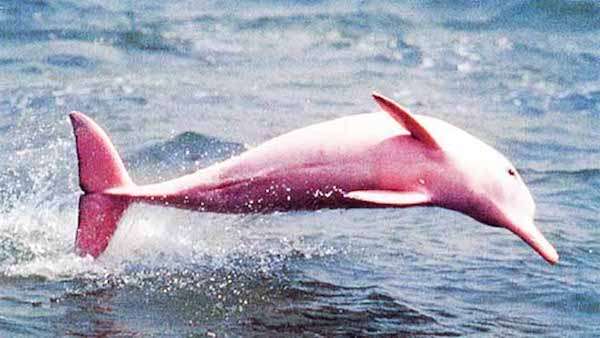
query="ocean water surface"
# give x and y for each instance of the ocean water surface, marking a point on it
(182, 84)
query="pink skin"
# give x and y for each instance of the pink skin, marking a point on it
(370, 160)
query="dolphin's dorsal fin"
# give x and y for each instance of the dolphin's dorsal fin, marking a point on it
(385, 197)
(406, 119)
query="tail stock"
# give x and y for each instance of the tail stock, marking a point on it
(100, 169)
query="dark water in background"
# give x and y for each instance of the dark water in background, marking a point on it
(182, 84)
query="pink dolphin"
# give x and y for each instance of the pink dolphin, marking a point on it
(396, 159)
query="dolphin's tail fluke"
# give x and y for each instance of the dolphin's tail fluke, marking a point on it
(99, 215)
(101, 174)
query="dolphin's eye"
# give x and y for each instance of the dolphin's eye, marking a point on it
(512, 172)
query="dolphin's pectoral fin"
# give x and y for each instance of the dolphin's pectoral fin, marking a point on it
(386, 197)
(406, 119)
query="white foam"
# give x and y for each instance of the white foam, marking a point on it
(153, 230)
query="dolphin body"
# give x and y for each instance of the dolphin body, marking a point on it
(391, 159)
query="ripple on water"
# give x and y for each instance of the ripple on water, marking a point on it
(322, 308)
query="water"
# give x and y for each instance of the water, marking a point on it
(180, 85)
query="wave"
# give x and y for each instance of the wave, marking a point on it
(322, 308)
(351, 24)
(145, 40)
(565, 179)
(184, 153)
(552, 15)
(187, 146)
(585, 173)
(41, 21)
(578, 102)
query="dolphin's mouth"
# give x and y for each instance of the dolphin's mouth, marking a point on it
(532, 236)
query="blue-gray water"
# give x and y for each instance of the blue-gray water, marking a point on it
(180, 84)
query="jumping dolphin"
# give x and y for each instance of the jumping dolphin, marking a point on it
(398, 159)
